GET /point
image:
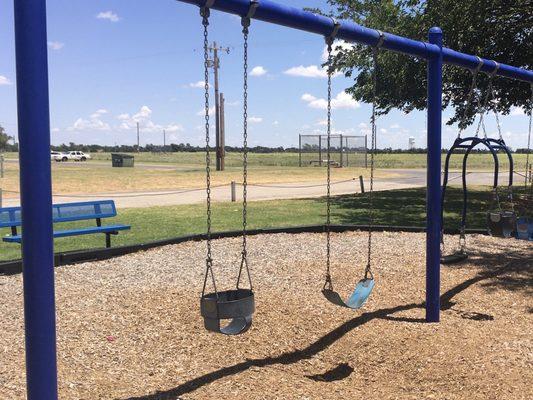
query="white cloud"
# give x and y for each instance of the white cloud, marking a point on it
(258, 71)
(56, 45)
(91, 124)
(144, 118)
(275, 123)
(338, 46)
(4, 80)
(322, 122)
(201, 113)
(108, 15)
(173, 128)
(126, 121)
(517, 111)
(255, 119)
(98, 113)
(197, 85)
(54, 130)
(311, 71)
(394, 126)
(341, 100)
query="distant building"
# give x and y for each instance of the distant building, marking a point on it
(412, 144)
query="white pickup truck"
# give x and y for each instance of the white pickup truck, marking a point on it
(71, 155)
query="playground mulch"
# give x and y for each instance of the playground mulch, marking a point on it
(129, 327)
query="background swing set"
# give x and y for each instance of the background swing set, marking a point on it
(34, 135)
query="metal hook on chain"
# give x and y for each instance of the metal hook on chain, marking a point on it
(246, 20)
(331, 37)
(205, 10)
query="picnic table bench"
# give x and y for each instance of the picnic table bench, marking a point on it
(11, 217)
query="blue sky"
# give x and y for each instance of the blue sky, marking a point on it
(116, 62)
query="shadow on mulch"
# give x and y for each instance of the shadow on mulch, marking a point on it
(340, 372)
(492, 276)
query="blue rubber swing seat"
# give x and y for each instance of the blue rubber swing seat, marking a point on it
(361, 293)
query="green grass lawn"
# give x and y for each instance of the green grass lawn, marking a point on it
(195, 160)
(149, 224)
(476, 161)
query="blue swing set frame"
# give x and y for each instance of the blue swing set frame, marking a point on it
(35, 173)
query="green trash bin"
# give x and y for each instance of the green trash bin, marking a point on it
(122, 160)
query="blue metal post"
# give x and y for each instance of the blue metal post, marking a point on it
(433, 206)
(36, 198)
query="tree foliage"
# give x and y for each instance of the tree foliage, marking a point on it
(500, 30)
(4, 139)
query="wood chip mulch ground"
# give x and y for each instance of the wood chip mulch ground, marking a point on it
(129, 327)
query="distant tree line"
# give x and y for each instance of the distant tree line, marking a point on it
(188, 148)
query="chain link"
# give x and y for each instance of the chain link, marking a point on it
(328, 282)
(469, 98)
(529, 137)
(244, 260)
(368, 269)
(204, 12)
(489, 97)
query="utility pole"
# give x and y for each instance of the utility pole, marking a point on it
(138, 139)
(222, 143)
(215, 64)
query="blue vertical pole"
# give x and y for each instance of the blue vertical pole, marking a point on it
(36, 198)
(433, 199)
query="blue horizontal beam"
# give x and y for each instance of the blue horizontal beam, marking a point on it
(280, 14)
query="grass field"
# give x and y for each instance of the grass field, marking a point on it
(157, 223)
(196, 160)
(88, 178)
(185, 170)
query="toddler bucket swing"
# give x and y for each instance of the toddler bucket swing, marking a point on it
(235, 305)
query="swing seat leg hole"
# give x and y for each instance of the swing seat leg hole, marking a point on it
(229, 312)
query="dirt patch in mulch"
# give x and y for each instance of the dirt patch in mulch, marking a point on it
(129, 328)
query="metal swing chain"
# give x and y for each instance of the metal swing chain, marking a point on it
(245, 22)
(485, 107)
(328, 283)
(529, 138)
(375, 53)
(470, 95)
(204, 12)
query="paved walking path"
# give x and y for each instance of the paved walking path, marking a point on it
(407, 178)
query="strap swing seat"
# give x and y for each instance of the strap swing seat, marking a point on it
(364, 287)
(362, 291)
(459, 256)
(236, 305)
